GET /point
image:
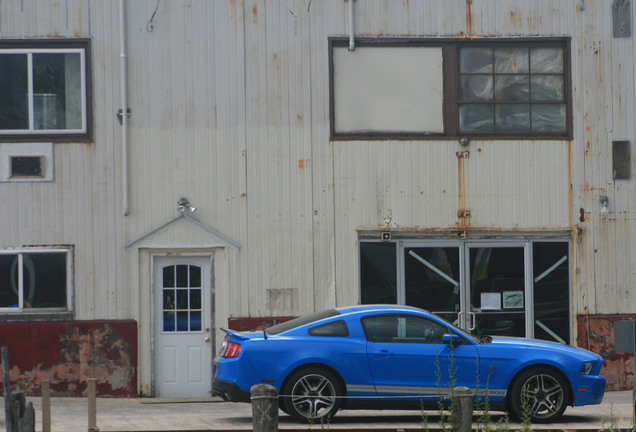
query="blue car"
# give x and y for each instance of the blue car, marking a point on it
(390, 357)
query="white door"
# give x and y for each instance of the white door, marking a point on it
(183, 350)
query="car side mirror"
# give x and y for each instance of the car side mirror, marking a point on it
(451, 338)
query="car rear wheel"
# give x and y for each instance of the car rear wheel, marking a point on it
(312, 394)
(539, 393)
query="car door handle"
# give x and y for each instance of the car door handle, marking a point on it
(383, 353)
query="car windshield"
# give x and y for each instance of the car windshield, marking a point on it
(279, 328)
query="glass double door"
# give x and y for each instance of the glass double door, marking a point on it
(495, 288)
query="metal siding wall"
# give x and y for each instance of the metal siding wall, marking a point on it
(229, 105)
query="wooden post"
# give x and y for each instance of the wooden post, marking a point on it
(92, 409)
(22, 414)
(264, 408)
(45, 390)
(464, 398)
(7, 387)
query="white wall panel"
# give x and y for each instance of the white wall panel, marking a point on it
(230, 108)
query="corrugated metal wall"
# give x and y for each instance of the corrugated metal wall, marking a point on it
(229, 103)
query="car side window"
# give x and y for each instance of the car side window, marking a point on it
(336, 328)
(403, 329)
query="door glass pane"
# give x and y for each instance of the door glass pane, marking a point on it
(497, 295)
(168, 276)
(432, 280)
(168, 321)
(378, 273)
(182, 276)
(551, 280)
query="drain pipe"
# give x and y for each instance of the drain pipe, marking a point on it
(352, 41)
(123, 112)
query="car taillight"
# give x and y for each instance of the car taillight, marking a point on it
(232, 350)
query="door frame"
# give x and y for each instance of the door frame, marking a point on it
(208, 307)
(464, 246)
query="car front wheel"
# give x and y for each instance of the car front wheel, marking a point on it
(541, 394)
(312, 394)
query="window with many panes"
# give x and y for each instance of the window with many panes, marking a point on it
(448, 88)
(44, 89)
(35, 280)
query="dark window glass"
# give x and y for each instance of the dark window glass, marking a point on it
(551, 277)
(292, 324)
(14, 109)
(168, 277)
(403, 329)
(336, 328)
(26, 166)
(44, 280)
(378, 273)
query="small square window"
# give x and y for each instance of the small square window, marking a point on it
(26, 166)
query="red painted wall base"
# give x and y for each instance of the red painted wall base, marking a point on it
(596, 333)
(68, 352)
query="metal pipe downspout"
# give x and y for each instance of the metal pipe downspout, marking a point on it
(352, 41)
(124, 104)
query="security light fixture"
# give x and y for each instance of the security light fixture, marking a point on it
(183, 205)
(604, 200)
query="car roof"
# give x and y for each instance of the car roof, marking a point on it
(378, 308)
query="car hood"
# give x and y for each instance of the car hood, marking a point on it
(536, 344)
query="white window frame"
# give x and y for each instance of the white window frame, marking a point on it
(29, 53)
(69, 280)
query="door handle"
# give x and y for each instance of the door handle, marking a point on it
(206, 339)
(383, 353)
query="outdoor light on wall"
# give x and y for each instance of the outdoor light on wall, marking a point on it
(604, 211)
(183, 205)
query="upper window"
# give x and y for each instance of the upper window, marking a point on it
(35, 279)
(44, 88)
(449, 88)
(512, 89)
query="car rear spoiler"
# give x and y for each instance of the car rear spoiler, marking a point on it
(235, 334)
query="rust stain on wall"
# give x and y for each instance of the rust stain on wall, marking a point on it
(463, 214)
(469, 17)
(303, 163)
(254, 13)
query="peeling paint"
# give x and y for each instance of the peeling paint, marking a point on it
(596, 333)
(67, 353)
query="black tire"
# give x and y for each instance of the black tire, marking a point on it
(312, 394)
(546, 393)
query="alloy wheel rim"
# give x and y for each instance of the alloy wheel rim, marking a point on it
(543, 396)
(313, 396)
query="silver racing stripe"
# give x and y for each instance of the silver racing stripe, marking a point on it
(420, 391)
